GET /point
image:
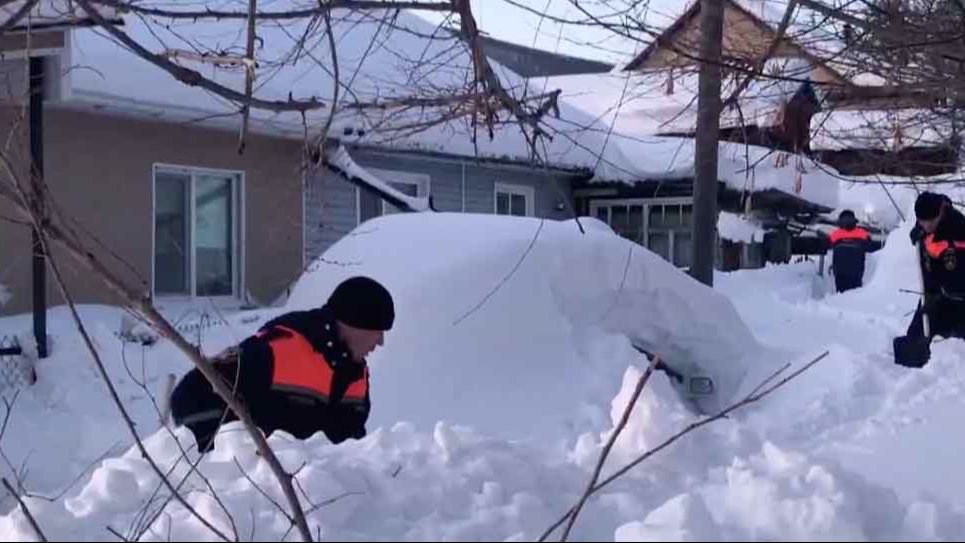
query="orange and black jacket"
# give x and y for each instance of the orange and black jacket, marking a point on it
(850, 248)
(943, 261)
(295, 375)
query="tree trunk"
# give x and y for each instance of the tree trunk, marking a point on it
(708, 129)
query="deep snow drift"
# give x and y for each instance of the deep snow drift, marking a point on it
(857, 448)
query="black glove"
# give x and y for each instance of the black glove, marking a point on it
(916, 234)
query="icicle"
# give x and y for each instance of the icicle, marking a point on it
(799, 174)
(748, 205)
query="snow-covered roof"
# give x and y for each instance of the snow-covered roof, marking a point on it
(740, 167)
(639, 104)
(633, 107)
(381, 57)
(879, 129)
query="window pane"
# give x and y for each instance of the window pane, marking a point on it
(659, 243)
(171, 241)
(635, 231)
(619, 219)
(502, 203)
(688, 216)
(409, 189)
(518, 203)
(370, 205)
(656, 217)
(682, 247)
(672, 215)
(603, 213)
(214, 254)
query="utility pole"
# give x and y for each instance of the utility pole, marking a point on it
(708, 131)
(36, 83)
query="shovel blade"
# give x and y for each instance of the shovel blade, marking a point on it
(912, 352)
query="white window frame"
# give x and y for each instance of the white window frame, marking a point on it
(422, 182)
(238, 239)
(526, 191)
(647, 203)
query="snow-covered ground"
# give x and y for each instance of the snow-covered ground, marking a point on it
(490, 405)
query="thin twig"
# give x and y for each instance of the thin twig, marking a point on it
(262, 492)
(116, 533)
(192, 77)
(505, 279)
(642, 382)
(51, 263)
(753, 397)
(144, 306)
(287, 15)
(335, 85)
(26, 510)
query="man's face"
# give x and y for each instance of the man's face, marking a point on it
(360, 342)
(929, 226)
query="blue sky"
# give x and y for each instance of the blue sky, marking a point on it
(504, 21)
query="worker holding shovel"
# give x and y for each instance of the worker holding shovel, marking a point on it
(940, 237)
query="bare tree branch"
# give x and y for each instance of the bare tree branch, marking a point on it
(193, 78)
(642, 382)
(26, 510)
(325, 6)
(756, 395)
(771, 50)
(143, 305)
(58, 278)
(335, 84)
(249, 74)
(18, 16)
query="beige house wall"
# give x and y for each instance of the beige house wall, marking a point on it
(99, 169)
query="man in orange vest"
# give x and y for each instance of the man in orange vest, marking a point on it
(303, 372)
(940, 233)
(850, 244)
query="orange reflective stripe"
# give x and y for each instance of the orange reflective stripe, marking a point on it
(936, 248)
(357, 391)
(841, 234)
(299, 368)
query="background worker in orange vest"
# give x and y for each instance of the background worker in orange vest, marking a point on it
(303, 372)
(850, 244)
(940, 233)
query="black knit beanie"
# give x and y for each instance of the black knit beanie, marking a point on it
(847, 220)
(361, 302)
(928, 206)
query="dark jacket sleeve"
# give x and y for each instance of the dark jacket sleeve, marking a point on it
(347, 422)
(916, 234)
(252, 378)
(932, 283)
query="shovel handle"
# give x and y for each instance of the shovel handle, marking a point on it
(926, 325)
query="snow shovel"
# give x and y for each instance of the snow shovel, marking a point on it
(915, 351)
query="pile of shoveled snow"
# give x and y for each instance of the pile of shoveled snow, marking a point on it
(452, 483)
